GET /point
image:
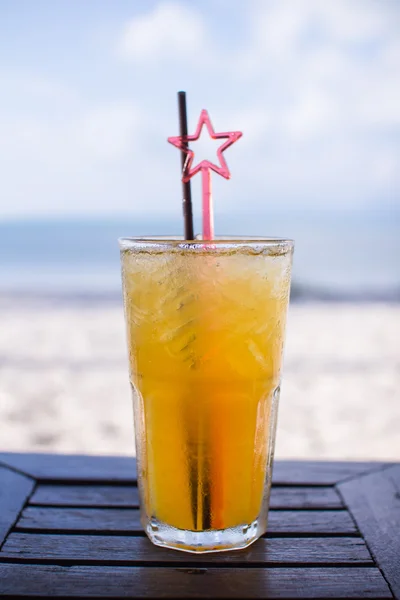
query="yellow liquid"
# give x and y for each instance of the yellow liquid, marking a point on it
(205, 334)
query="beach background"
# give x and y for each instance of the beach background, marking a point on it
(88, 99)
(63, 359)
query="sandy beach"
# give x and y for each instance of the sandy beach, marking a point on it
(64, 381)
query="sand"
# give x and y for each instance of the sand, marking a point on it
(64, 381)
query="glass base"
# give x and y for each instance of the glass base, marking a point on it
(217, 540)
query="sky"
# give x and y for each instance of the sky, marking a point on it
(88, 99)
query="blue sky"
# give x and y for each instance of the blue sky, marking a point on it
(88, 98)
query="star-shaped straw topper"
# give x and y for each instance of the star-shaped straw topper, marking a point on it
(182, 141)
(205, 166)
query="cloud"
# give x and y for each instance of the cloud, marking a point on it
(101, 133)
(170, 31)
(72, 159)
(284, 28)
(22, 84)
(108, 131)
(313, 85)
(324, 108)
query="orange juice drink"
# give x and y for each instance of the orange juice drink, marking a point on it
(205, 325)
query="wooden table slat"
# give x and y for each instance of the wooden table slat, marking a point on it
(79, 534)
(86, 495)
(127, 496)
(374, 501)
(325, 522)
(162, 582)
(107, 469)
(14, 490)
(72, 467)
(319, 472)
(128, 549)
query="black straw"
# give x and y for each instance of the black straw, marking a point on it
(186, 189)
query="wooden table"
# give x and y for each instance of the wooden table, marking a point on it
(69, 527)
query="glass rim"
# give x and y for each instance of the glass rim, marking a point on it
(179, 242)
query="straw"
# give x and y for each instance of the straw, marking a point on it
(186, 189)
(208, 211)
(205, 166)
(205, 502)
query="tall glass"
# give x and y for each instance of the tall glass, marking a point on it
(205, 324)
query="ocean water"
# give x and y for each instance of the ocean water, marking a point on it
(339, 255)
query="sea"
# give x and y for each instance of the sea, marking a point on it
(340, 255)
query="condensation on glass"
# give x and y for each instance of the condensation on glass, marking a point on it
(205, 325)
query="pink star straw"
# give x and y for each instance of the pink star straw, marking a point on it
(205, 166)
